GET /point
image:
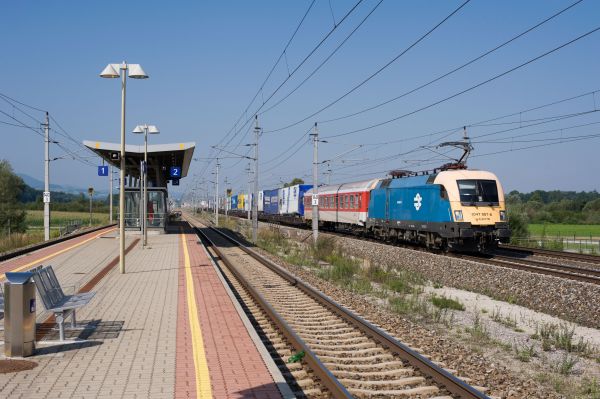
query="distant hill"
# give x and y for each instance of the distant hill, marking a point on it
(39, 185)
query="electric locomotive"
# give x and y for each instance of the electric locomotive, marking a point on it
(448, 209)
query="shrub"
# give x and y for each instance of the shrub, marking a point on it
(443, 302)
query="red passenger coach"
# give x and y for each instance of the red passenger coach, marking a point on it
(341, 204)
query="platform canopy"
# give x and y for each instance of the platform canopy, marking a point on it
(161, 157)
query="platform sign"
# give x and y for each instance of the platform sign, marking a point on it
(315, 200)
(46, 197)
(175, 171)
(175, 182)
(103, 170)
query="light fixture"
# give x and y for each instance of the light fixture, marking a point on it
(136, 72)
(109, 72)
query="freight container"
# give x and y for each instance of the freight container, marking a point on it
(271, 202)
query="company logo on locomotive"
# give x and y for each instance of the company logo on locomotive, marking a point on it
(418, 201)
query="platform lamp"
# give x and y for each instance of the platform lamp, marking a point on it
(145, 129)
(123, 71)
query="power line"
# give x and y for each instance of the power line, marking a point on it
(323, 40)
(277, 61)
(325, 61)
(470, 88)
(249, 119)
(21, 103)
(498, 47)
(36, 131)
(381, 69)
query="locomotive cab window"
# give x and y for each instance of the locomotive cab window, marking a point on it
(443, 192)
(478, 192)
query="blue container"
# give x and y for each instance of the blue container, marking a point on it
(234, 201)
(271, 202)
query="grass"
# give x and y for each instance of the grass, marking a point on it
(525, 353)
(561, 336)
(566, 364)
(478, 331)
(443, 302)
(565, 230)
(35, 218)
(35, 223)
(20, 240)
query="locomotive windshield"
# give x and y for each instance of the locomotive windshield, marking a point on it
(478, 192)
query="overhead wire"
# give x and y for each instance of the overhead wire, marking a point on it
(472, 61)
(471, 87)
(377, 72)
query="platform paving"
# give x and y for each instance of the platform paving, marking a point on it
(139, 340)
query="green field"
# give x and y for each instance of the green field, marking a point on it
(60, 218)
(565, 230)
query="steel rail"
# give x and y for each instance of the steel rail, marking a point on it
(573, 273)
(25, 250)
(325, 376)
(453, 384)
(548, 269)
(566, 268)
(548, 252)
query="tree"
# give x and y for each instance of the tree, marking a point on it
(12, 217)
(295, 180)
(518, 223)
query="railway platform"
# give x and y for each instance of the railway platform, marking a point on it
(168, 328)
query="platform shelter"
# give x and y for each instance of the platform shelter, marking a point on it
(167, 163)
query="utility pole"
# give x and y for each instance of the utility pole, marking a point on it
(91, 193)
(47, 178)
(225, 182)
(217, 196)
(249, 170)
(255, 196)
(315, 196)
(110, 192)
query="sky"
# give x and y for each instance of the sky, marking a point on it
(208, 60)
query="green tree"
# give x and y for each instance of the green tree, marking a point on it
(295, 180)
(518, 222)
(11, 187)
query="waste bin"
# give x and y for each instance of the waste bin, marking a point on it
(19, 315)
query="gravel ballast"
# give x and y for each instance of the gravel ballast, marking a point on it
(567, 299)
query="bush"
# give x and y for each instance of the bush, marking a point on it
(443, 302)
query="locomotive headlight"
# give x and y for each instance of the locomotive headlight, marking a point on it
(458, 215)
(502, 215)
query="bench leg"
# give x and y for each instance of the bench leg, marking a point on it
(61, 326)
(73, 320)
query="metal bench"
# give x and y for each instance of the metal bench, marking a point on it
(56, 301)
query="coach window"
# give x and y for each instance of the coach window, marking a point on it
(352, 202)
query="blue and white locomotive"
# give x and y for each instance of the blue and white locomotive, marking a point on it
(461, 209)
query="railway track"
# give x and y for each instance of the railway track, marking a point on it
(346, 355)
(518, 262)
(587, 258)
(535, 266)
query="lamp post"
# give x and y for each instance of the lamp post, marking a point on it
(145, 129)
(114, 71)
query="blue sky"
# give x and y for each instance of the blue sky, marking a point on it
(206, 60)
